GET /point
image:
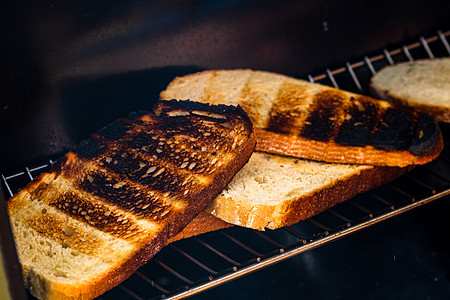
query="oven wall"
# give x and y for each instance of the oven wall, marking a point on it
(68, 68)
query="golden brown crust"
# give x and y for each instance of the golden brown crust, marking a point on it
(204, 222)
(297, 146)
(260, 216)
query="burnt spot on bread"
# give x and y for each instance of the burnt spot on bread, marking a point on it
(395, 130)
(281, 122)
(426, 134)
(359, 123)
(136, 198)
(323, 119)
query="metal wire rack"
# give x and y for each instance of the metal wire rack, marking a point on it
(190, 266)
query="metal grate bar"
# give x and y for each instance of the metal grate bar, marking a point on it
(302, 238)
(41, 167)
(333, 81)
(220, 254)
(14, 175)
(444, 41)
(151, 282)
(172, 271)
(7, 186)
(275, 243)
(194, 260)
(355, 79)
(407, 53)
(340, 216)
(426, 46)
(382, 200)
(369, 65)
(29, 173)
(400, 191)
(318, 224)
(361, 208)
(388, 56)
(244, 246)
(133, 295)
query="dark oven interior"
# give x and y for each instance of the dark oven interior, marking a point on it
(69, 68)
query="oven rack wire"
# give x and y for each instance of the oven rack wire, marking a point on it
(190, 266)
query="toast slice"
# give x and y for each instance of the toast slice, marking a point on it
(273, 191)
(308, 120)
(111, 203)
(423, 84)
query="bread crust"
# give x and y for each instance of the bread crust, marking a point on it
(284, 213)
(297, 146)
(204, 222)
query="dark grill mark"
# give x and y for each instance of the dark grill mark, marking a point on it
(281, 122)
(129, 197)
(358, 127)
(288, 112)
(156, 176)
(96, 215)
(325, 110)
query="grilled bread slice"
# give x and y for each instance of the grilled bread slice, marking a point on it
(112, 202)
(308, 120)
(423, 84)
(273, 191)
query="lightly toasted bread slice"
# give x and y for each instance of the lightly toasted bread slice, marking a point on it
(308, 120)
(111, 203)
(273, 191)
(422, 84)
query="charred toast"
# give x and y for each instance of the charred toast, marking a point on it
(309, 120)
(114, 200)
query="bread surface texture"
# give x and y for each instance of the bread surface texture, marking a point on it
(422, 84)
(308, 120)
(273, 191)
(112, 202)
